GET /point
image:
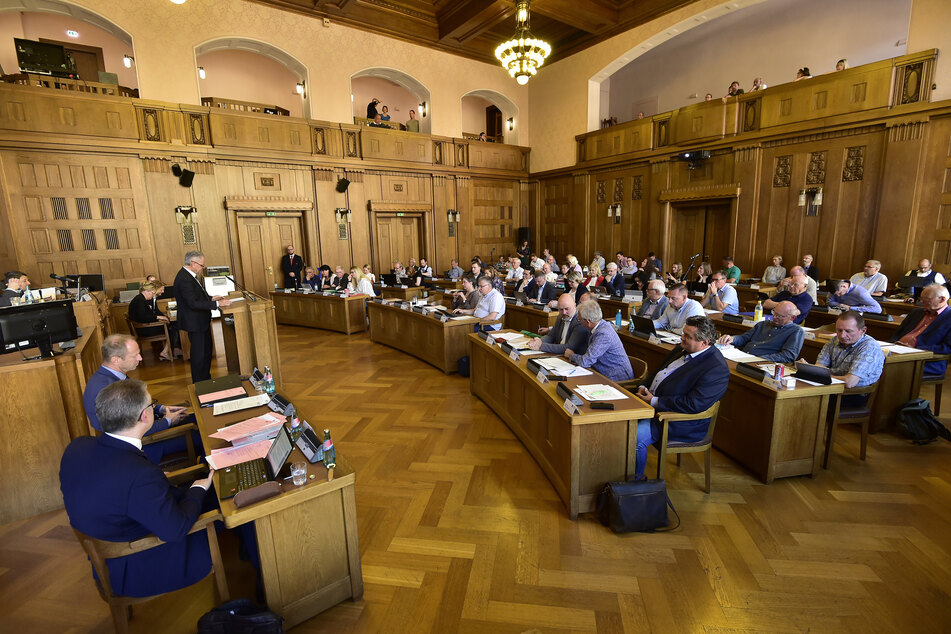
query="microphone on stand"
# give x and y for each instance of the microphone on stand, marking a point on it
(244, 291)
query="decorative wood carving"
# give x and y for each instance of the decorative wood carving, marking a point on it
(817, 169)
(700, 192)
(196, 126)
(150, 121)
(267, 203)
(320, 142)
(437, 153)
(636, 187)
(911, 83)
(350, 138)
(751, 115)
(783, 172)
(602, 197)
(854, 168)
(618, 190)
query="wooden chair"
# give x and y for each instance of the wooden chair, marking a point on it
(860, 415)
(121, 607)
(705, 445)
(134, 327)
(640, 373)
(937, 380)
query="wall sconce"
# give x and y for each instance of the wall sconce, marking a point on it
(811, 199)
(453, 216)
(510, 124)
(300, 88)
(127, 61)
(183, 214)
(614, 211)
(423, 110)
(201, 72)
(342, 214)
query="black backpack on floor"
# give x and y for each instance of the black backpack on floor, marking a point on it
(240, 616)
(918, 423)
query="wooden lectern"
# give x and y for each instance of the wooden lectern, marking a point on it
(249, 330)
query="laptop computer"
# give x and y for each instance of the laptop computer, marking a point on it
(521, 296)
(644, 325)
(814, 373)
(247, 475)
(389, 279)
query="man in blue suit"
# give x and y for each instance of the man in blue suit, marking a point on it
(929, 327)
(113, 492)
(120, 355)
(691, 379)
(540, 291)
(614, 281)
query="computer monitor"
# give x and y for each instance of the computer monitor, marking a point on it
(92, 282)
(39, 325)
(40, 57)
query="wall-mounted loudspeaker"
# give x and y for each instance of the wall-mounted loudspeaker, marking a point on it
(185, 180)
(176, 169)
(342, 185)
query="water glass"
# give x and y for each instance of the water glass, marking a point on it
(299, 472)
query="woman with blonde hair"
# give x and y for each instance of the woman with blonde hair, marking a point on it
(497, 282)
(595, 278)
(360, 283)
(573, 264)
(370, 276)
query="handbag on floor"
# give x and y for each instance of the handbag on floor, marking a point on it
(240, 616)
(636, 505)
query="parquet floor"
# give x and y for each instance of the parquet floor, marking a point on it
(461, 532)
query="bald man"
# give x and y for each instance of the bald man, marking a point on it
(796, 294)
(292, 265)
(797, 272)
(567, 331)
(777, 340)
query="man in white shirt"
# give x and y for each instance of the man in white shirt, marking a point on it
(926, 276)
(515, 270)
(598, 259)
(490, 308)
(871, 279)
(550, 276)
(630, 268)
(679, 308)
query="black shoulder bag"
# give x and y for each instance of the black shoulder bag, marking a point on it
(637, 505)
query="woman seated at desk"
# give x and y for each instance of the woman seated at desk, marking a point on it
(143, 309)
(468, 297)
(594, 276)
(359, 283)
(675, 275)
(574, 285)
(370, 276)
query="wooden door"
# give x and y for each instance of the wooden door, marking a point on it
(87, 65)
(703, 229)
(262, 241)
(493, 123)
(398, 238)
(716, 234)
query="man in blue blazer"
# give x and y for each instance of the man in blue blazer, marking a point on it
(567, 331)
(113, 492)
(691, 379)
(540, 291)
(929, 327)
(655, 300)
(614, 281)
(120, 355)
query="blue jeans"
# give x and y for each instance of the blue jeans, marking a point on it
(644, 440)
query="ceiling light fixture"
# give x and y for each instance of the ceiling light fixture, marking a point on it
(178, 1)
(523, 54)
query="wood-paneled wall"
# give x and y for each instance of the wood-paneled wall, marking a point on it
(880, 154)
(88, 186)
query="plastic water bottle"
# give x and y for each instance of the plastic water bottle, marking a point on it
(630, 326)
(296, 428)
(268, 380)
(618, 319)
(758, 312)
(27, 296)
(330, 454)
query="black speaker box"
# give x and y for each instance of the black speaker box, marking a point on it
(524, 233)
(185, 180)
(176, 169)
(342, 185)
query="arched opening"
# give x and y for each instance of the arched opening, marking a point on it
(96, 47)
(244, 70)
(752, 38)
(490, 112)
(396, 90)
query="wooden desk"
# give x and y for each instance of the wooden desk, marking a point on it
(328, 312)
(445, 284)
(610, 306)
(307, 536)
(773, 433)
(881, 330)
(437, 343)
(578, 453)
(395, 292)
(528, 318)
(36, 431)
(900, 381)
(898, 308)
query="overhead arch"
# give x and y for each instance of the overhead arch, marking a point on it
(503, 103)
(597, 94)
(250, 45)
(71, 10)
(406, 81)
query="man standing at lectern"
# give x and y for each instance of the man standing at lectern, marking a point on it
(292, 265)
(194, 313)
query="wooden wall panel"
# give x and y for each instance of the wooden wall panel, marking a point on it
(447, 246)
(493, 205)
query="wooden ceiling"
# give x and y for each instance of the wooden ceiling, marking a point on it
(473, 28)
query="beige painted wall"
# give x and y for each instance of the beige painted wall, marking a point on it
(247, 76)
(929, 29)
(166, 34)
(11, 26)
(473, 114)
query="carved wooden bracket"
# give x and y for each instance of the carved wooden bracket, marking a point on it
(267, 203)
(703, 192)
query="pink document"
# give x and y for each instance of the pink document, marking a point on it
(211, 397)
(257, 425)
(224, 458)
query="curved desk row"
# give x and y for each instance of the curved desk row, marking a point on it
(578, 452)
(438, 343)
(316, 310)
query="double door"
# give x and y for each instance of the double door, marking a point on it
(262, 241)
(398, 237)
(703, 229)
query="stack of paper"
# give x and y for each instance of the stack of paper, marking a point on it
(224, 458)
(561, 367)
(735, 354)
(599, 392)
(250, 431)
(894, 348)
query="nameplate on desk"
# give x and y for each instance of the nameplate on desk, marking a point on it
(288, 290)
(514, 355)
(541, 377)
(769, 381)
(518, 302)
(835, 311)
(808, 335)
(654, 340)
(442, 317)
(326, 293)
(749, 323)
(403, 286)
(547, 309)
(490, 340)
(570, 407)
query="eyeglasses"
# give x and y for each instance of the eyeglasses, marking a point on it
(149, 406)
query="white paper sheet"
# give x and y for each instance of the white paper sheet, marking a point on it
(599, 392)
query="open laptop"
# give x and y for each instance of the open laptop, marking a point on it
(644, 325)
(247, 475)
(521, 296)
(814, 373)
(389, 279)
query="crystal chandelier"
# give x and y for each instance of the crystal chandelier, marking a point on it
(523, 54)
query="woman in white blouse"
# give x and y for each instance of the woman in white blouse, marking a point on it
(359, 283)
(776, 273)
(370, 276)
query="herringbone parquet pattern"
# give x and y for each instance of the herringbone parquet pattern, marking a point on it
(461, 532)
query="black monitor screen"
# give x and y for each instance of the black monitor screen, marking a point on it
(38, 324)
(92, 282)
(40, 57)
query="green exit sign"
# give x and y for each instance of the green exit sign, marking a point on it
(270, 213)
(399, 215)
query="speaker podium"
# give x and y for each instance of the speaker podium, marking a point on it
(249, 330)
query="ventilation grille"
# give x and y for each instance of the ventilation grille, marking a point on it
(65, 237)
(105, 209)
(112, 239)
(85, 212)
(59, 208)
(189, 236)
(89, 239)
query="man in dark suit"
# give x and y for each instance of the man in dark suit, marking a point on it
(120, 355)
(194, 313)
(339, 279)
(692, 378)
(293, 266)
(12, 288)
(539, 291)
(614, 281)
(112, 492)
(655, 300)
(929, 327)
(567, 331)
